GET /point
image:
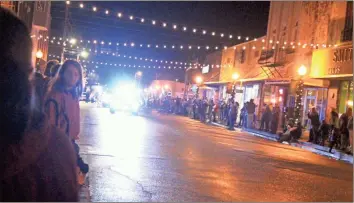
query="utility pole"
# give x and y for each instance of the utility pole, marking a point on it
(66, 29)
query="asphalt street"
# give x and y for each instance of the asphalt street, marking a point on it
(173, 158)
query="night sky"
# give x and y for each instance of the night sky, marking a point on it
(236, 18)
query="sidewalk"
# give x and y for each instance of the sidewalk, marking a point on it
(321, 150)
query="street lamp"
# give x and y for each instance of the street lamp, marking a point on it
(84, 54)
(39, 55)
(302, 70)
(235, 76)
(199, 81)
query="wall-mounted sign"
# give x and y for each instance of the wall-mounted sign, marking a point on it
(332, 62)
(205, 69)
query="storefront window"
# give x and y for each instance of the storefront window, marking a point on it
(346, 96)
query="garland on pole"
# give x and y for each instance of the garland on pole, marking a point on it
(298, 100)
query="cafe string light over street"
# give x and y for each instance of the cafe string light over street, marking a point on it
(184, 66)
(183, 28)
(270, 46)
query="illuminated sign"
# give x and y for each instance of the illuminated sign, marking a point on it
(332, 62)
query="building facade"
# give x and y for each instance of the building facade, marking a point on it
(315, 35)
(36, 15)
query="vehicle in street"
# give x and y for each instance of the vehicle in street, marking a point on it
(126, 98)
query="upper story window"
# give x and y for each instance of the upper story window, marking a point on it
(347, 33)
(242, 56)
(40, 6)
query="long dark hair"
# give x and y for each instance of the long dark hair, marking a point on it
(16, 104)
(58, 83)
(49, 66)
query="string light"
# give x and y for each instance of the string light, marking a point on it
(204, 32)
(194, 30)
(81, 5)
(103, 43)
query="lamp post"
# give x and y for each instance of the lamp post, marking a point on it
(302, 70)
(83, 54)
(199, 81)
(138, 76)
(235, 76)
(39, 55)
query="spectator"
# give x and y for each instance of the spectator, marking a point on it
(49, 67)
(62, 106)
(275, 119)
(343, 128)
(251, 109)
(215, 111)
(315, 124)
(292, 134)
(266, 117)
(324, 132)
(222, 106)
(243, 115)
(232, 115)
(37, 159)
(350, 128)
(334, 140)
(226, 112)
(54, 70)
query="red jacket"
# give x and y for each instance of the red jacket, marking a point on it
(41, 167)
(63, 111)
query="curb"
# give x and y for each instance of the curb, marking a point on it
(307, 146)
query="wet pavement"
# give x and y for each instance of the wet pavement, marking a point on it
(172, 158)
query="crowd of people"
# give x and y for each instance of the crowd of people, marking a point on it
(40, 125)
(337, 133)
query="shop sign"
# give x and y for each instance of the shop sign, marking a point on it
(332, 62)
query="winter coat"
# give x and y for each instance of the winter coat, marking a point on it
(315, 119)
(251, 108)
(40, 168)
(63, 111)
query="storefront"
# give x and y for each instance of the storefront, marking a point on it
(275, 94)
(334, 65)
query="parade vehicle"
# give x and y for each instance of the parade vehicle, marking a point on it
(126, 98)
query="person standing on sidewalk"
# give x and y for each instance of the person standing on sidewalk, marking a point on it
(343, 128)
(315, 124)
(275, 119)
(63, 109)
(251, 109)
(266, 116)
(334, 132)
(37, 160)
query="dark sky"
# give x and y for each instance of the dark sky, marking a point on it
(236, 18)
